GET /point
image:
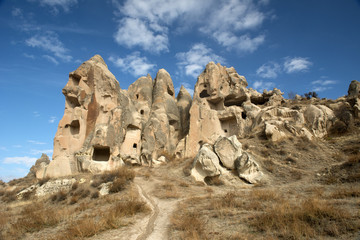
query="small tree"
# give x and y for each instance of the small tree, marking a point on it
(311, 95)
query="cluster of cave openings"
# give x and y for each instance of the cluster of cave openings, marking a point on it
(75, 127)
(72, 101)
(229, 126)
(101, 153)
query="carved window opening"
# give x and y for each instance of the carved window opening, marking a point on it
(72, 101)
(134, 145)
(75, 127)
(142, 112)
(137, 96)
(101, 153)
(204, 94)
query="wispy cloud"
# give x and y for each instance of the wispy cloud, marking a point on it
(193, 61)
(322, 85)
(296, 64)
(133, 64)
(36, 142)
(52, 119)
(262, 85)
(51, 59)
(17, 12)
(38, 152)
(269, 70)
(50, 42)
(29, 56)
(28, 161)
(17, 146)
(36, 114)
(56, 4)
(148, 23)
(2, 148)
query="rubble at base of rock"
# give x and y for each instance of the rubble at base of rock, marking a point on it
(105, 127)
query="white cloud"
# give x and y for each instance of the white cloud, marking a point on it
(36, 142)
(322, 85)
(134, 32)
(51, 59)
(50, 42)
(268, 70)
(194, 61)
(133, 64)
(296, 64)
(148, 23)
(17, 146)
(38, 152)
(28, 161)
(55, 4)
(29, 56)
(2, 148)
(261, 85)
(36, 114)
(17, 12)
(52, 119)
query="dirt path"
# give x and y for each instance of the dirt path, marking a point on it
(154, 208)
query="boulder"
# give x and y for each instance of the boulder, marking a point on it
(228, 150)
(206, 163)
(248, 169)
(273, 133)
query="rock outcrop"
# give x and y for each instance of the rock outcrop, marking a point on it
(104, 126)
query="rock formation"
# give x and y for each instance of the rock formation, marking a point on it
(104, 126)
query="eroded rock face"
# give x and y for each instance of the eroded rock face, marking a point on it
(104, 126)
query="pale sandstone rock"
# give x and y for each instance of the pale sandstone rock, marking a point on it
(39, 168)
(273, 133)
(228, 150)
(206, 163)
(248, 169)
(54, 186)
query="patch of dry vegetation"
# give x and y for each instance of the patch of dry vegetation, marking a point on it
(76, 213)
(166, 190)
(266, 214)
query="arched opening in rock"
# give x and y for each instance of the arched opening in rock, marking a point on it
(72, 101)
(75, 127)
(243, 115)
(142, 112)
(204, 94)
(137, 96)
(101, 153)
(134, 145)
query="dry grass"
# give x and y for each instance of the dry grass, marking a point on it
(190, 225)
(345, 192)
(125, 174)
(166, 190)
(90, 225)
(310, 218)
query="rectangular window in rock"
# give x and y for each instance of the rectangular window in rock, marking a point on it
(101, 153)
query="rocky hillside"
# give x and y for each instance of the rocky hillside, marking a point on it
(227, 163)
(105, 127)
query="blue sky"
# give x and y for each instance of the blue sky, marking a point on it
(295, 45)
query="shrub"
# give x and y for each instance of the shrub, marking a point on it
(122, 174)
(191, 225)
